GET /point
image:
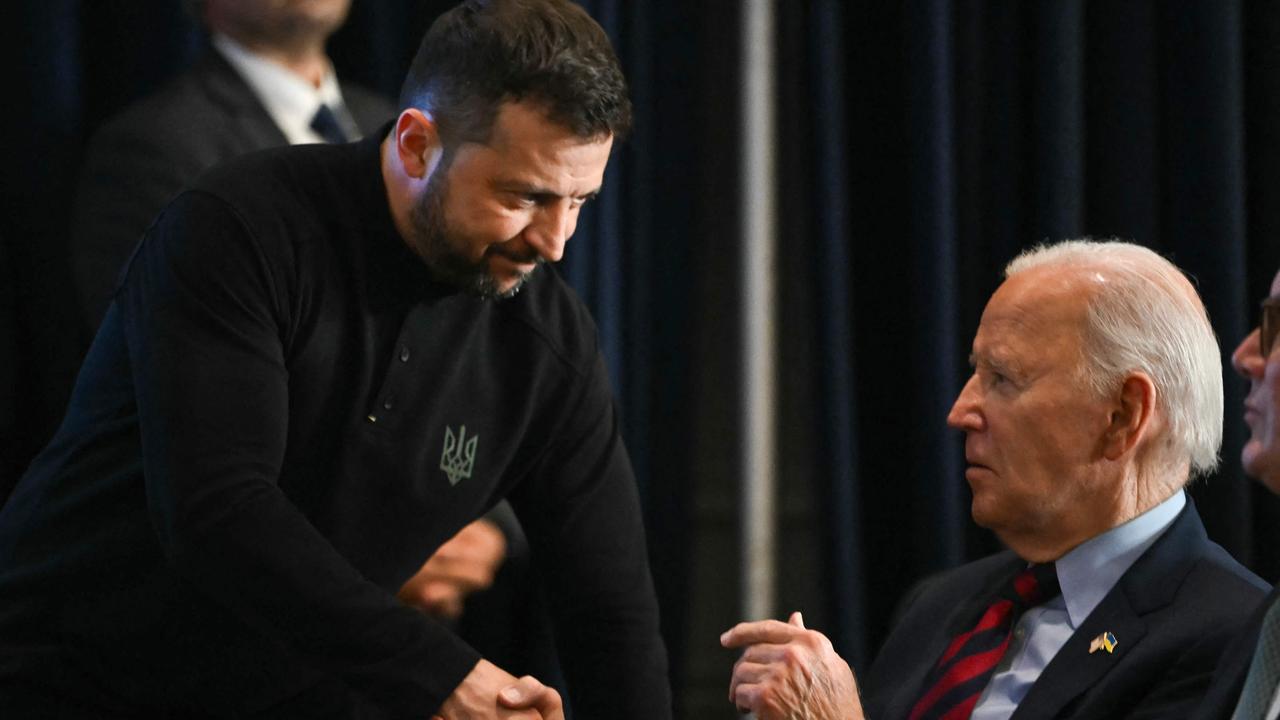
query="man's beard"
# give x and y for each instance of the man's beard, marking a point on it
(442, 249)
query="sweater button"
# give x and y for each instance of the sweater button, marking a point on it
(404, 353)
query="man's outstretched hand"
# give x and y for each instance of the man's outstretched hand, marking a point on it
(788, 672)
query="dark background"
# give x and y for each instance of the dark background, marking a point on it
(921, 144)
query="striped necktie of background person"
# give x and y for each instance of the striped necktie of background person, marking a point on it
(965, 668)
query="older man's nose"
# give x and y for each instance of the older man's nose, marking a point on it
(965, 413)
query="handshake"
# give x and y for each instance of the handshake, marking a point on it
(488, 691)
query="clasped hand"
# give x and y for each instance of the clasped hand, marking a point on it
(490, 693)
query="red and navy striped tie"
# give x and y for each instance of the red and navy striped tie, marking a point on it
(965, 668)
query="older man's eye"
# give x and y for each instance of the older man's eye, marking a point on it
(997, 379)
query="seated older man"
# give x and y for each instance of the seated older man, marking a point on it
(1096, 395)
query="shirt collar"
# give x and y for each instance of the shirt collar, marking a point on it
(1091, 569)
(289, 99)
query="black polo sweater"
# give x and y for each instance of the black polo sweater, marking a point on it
(280, 419)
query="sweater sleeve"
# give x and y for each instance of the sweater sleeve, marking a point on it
(582, 514)
(204, 309)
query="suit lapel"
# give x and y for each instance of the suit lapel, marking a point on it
(1233, 666)
(1149, 584)
(248, 125)
(371, 112)
(1075, 669)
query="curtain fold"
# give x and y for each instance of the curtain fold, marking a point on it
(930, 288)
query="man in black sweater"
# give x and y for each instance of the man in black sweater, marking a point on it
(322, 362)
(267, 81)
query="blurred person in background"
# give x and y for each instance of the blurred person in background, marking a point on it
(1246, 684)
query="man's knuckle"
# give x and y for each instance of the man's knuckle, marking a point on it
(768, 699)
(793, 655)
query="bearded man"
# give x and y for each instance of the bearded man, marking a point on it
(322, 362)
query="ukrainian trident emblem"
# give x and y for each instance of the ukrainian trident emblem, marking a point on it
(459, 454)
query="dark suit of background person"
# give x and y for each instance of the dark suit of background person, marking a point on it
(141, 158)
(1233, 667)
(1083, 420)
(1261, 459)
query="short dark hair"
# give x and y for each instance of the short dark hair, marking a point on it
(483, 53)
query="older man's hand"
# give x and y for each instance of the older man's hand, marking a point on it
(788, 672)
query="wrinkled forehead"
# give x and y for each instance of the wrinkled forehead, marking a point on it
(1040, 300)
(1034, 317)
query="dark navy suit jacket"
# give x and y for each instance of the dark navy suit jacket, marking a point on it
(1173, 611)
(1233, 666)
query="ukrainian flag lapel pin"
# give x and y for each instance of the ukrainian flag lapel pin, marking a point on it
(1105, 641)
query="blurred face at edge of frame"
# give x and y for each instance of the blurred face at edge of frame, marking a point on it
(1261, 453)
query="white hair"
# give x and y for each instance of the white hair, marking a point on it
(1146, 317)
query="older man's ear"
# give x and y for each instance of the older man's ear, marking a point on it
(1132, 416)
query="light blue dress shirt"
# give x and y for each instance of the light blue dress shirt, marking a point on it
(1086, 575)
